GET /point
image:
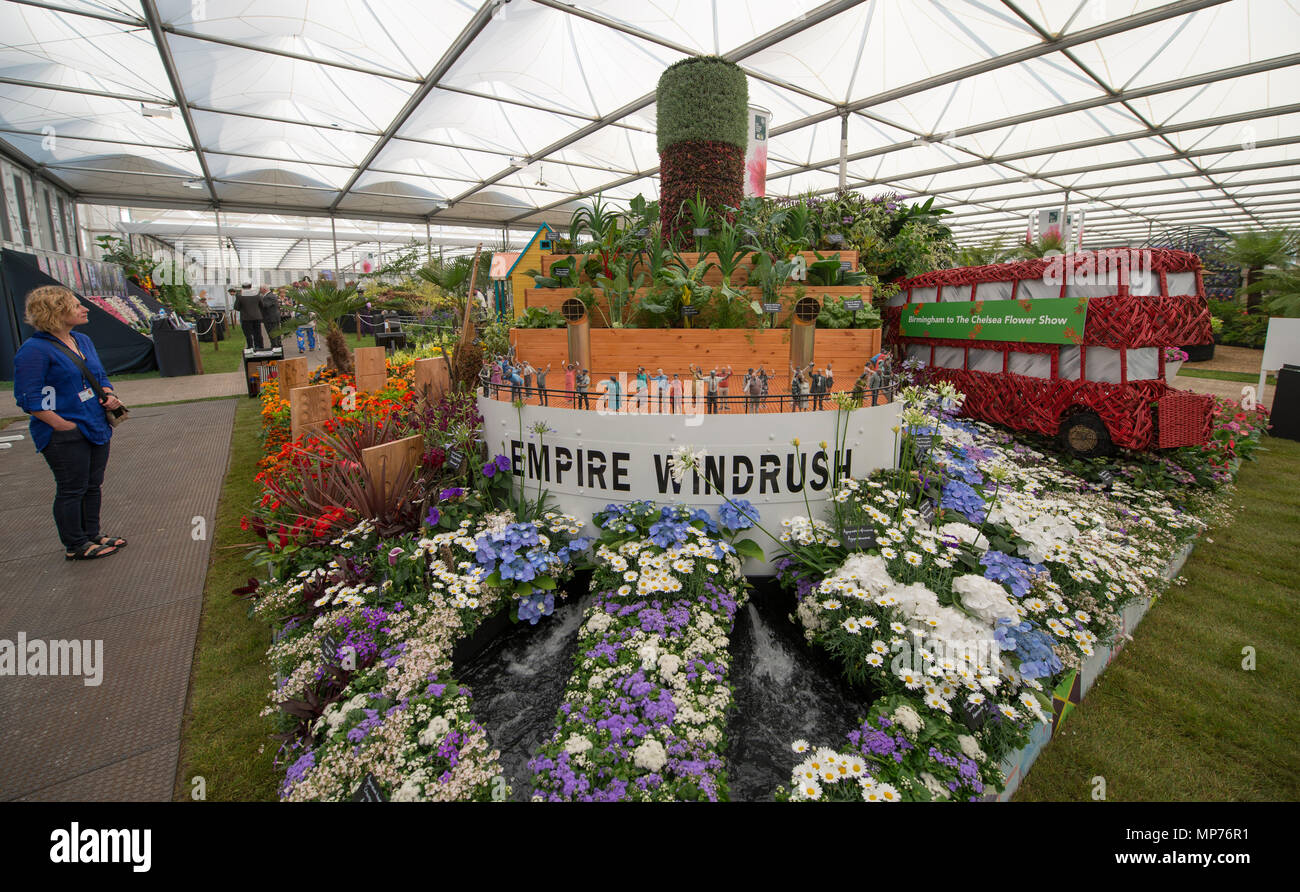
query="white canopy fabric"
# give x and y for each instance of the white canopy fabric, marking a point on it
(1150, 114)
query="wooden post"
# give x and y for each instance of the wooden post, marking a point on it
(431, 378)
(390, 462)
(371, 369)
(309, 409)
(293, 374)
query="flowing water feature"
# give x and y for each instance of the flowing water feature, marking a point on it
(518, 682)
(784, 690)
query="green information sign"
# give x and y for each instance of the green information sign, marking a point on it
(1054, 320)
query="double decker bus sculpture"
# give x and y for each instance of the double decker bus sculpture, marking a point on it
(1070, 346)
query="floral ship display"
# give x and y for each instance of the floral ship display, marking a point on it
(964, 585)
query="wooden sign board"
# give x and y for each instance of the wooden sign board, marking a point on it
(293, 374)
(309, 409)
(372, 371)
(431, 378)
(390, 461)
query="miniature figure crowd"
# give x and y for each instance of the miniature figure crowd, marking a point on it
(723, 389)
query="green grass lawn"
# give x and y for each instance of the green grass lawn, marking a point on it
(1246, 377)
(1176, 717)
(228, 682)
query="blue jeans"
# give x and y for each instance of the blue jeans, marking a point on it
(78, 467)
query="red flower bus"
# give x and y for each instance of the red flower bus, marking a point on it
(1070, 345)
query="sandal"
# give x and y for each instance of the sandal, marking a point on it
(114, 541)
(90, 551)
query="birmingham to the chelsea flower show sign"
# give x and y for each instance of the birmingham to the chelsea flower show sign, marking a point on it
(1057, 320)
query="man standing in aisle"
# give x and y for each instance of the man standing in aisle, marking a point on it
(250, 318)
(270, 313)
(583, 383)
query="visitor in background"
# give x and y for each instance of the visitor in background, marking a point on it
(829, 383)
(764, 381)
(796, 389)
(642, 389)
(250, 318)
(875, 382)
(69, 426)
(270, 313)
(516, 382)
(675, 393)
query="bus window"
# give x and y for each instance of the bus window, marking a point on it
(952, 293)
(1143, 281)
(985, 361)
(898, 299)
(1181, 284)
(1103, 365)
(994, 290)
(1033, 365)
(1067, 363)
(1142, 363)
(925, 295)
(919, 352)
(1034, 289)
(1102, 285)
(950, 357)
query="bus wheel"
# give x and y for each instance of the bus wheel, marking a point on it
(1085, 436)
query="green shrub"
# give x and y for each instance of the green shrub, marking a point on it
(540, 317)
(703, 98)
(1239, 329)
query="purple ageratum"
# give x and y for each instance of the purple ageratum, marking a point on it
(433, 517)
(454, 492)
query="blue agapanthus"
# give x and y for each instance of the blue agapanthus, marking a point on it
(737, 515)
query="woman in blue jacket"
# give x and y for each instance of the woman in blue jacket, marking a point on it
(69, 426)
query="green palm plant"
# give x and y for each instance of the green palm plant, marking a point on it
(329, 303)
(1255, 250)
(1282, 287)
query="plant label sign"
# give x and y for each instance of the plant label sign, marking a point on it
(454, 460)
(835, 238)
(774, 307)
(559, 272)
(860, 537)
(641, 233)
(927, 513)
(846, 265)
(702, 231)
(329, 648)
(853, 304)
(923, 442)
(369, 790)
(690, 311)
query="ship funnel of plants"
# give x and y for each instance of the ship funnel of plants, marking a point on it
(702, 111)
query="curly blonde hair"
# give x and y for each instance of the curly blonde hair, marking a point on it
(48, 307)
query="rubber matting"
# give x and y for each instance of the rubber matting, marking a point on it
(118, 741)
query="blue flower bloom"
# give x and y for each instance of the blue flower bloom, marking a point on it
(963, 498)
(503, 463)
(738, 516)
(667, 533)
(433, 517)
(702, 515)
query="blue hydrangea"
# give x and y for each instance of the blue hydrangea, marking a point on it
(667, 533)
(533, 607)
(737, 515)
(1015, 573)
(1032, 646)
(962, 498)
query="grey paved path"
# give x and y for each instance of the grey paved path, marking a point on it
(59, 738)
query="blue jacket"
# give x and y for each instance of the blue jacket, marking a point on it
(39, 364)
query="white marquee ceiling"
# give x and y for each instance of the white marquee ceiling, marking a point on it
(1152, 114)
